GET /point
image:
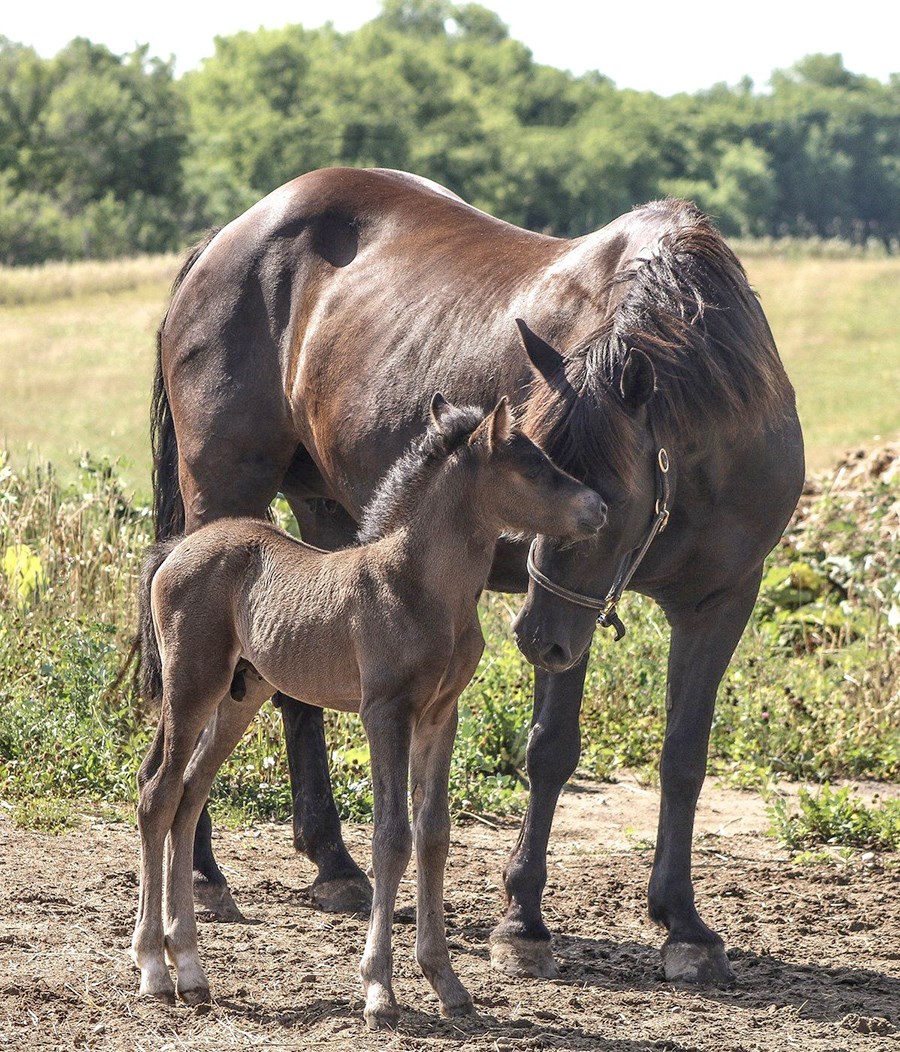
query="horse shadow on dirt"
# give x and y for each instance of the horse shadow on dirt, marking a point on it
(817, 992)
(417, 1026)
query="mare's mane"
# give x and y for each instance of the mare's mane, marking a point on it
(686, 303)
(401, 488)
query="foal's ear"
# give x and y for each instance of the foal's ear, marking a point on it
(440, 408)
(496, 427)
(546, 360)
(637, 380)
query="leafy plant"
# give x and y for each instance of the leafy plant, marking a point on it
(836, 816)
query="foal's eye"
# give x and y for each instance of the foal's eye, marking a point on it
(532, 473)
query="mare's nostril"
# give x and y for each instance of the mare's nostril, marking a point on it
(555, 657)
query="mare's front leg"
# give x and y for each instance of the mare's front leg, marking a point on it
(388, 724)
(701, 647)
(520, 944)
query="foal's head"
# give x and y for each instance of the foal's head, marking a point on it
(516, 487)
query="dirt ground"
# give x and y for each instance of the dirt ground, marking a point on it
(816, 947)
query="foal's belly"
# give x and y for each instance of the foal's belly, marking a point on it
(301, 679)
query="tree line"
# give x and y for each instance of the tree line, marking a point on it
(104, 155)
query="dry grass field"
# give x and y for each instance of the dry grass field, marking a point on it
(76, 354)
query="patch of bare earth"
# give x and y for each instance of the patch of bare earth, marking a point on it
(816, 948)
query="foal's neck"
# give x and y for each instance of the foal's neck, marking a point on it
(449, 538)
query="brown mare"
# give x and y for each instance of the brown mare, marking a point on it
(298, 354)
(239, 609)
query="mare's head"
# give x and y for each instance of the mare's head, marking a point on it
(516, 488)
(589, 410)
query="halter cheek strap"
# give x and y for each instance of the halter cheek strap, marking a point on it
(606, 607)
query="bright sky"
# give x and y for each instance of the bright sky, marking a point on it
(664, 46)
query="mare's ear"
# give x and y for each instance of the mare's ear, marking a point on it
(496, 426)
(637, 380)
(440, 407)
(546, 360)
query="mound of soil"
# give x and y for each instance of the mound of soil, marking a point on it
(816, 947)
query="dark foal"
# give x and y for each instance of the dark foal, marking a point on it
(296, 355)
(390, 629)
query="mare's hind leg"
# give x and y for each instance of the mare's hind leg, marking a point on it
(432, 746)
(218, 741)
(701, 647)
(340, 885)
(229, 465)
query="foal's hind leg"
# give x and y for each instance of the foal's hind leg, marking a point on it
(219, 739)
(147, 941)
(161, 789)
(432, 747)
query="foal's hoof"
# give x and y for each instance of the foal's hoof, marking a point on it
(343, 895)
(531, 958)
(194, 998)
(164, 995)
(216, 900)
(694, 962)
(381, 1012)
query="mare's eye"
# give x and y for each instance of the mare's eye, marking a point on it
(533, 472)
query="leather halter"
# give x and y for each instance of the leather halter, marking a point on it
(606, 607)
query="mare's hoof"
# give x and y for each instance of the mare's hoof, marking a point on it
(216, 900)
(694, 962)
(196, 997)
(343, 895)
(531, 958)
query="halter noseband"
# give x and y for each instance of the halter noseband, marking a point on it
(606, 607)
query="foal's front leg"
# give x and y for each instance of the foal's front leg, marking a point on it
(387, 723)
(432, 747)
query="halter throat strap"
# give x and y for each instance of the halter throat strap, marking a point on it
(606, 607)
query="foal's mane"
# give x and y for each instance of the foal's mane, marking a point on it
(401, 488)
(686, 303)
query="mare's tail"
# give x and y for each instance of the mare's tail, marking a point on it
(150, 671)
(168, 508)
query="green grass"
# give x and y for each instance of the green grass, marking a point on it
(813, 692)
(835, 323)
(76, 377)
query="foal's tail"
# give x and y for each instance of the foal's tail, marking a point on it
(168, 507)
(150, 672)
